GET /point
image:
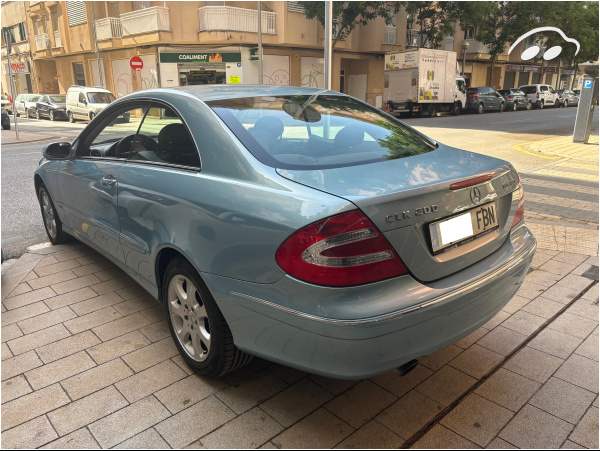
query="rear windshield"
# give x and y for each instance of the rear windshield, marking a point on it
(518, 92)
(529, 89)
(317, 132)
(504, 92)
(100, 97)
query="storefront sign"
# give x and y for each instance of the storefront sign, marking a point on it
(516, 68)
(234, 79)
(254, 54)
(207, 57)
(551, 70)
(17, 68)
(568, 72)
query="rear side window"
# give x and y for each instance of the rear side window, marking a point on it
(543, 88)
(529, 89)
(317, 132)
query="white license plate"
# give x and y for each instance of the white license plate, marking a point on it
(463, 228)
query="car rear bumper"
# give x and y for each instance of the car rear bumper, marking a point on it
(368, 330)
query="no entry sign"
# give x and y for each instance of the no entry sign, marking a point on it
(136, 63)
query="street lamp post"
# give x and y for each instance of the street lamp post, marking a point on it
(464, 46)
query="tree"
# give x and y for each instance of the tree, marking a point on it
(349, 15)
(435, 20)
(497, 24)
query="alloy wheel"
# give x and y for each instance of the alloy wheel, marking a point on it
(48, 212)
(189, 317)
(514, 108)
(51, 115)
(37, 114)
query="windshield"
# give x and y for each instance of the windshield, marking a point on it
(33, 98)
(529, 89)
(100, 97)
(318, 132)
(58, 99)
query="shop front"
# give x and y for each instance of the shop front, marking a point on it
(21, 77)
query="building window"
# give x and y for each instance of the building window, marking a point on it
(409, 21)
(295, 7)
(141, 5)
(17, 32)
(78, 74)
(470, 33)
(76, 13)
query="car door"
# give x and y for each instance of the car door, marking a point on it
(89, 181)
(81, 109)
(42, 106)
(544, 95)
(20, 104)
(487, 99)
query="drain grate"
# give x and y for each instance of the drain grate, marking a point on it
(591, 273)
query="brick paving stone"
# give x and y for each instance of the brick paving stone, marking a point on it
(92, 268)
(476, 361)
(543, 278)
(556, 343)
(372, 435)
(333, 386)
(22, 438)
(135, 305)
(75, 254)
(560, 293)
(508, 389)
(580, 371)
(47, 260)
(19, 364)
(534, 364)
(581, 269)
(96, 303)
(401, 385)
(574, 325)
(46, 270)
(14, 388)
(188, 391)
(84, 411)
(117, 347)
(477, 419)
(446, 385)
(23, 287)
(72, 297)
(297, 401)
(156, 331)
(534, 428)
(150, 380)
(113, 285)
(149, 439)
(539, 259)
(589, 348)
(498, 443)
(109, 274)
(6, 354)
(52, 279)
(30, 297)
(557, 267)
(45, 320)
(439, 437)
(67, 346)
(251, 391)
(151, 355)
(155, 313)
(129, 421)
(439, 359)
(472, 338)
(32, 405)
(586, 432)
(249, 430)
(563, 400)
(75, 284)
(38, 339)
(92, 320)
(576, 282)
(585, 308)
(91, 258)
(372, 399)
(22, 313)
(96, 378)
(31, 276)
(287, 374)
(592, 293)
(120, 326)
(515, 304)
(496, 320)
(79, 439)
(246, 371)
(573, 259)
(571, 445)
(524, 323)
(409, 414)
(320, 429)
(185, 427)
(130, 292)
(59, 370)
(543, 307)
(502, 340)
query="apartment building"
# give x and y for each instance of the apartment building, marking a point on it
(185, 43)
(14, 20)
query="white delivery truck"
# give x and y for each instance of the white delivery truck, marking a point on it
(423, 81)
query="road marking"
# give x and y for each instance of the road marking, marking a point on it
(520, 148)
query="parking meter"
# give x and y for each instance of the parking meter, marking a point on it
(585, 110)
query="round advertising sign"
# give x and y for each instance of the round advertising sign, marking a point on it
(136, 63)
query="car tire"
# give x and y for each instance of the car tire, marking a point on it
(566, 104)
(502, 107)
(480, 108)
(556, 104)
(432, 111)
(6, 127)
(17, 114)
(37, 115)
(192, 312)
(541, 105)
(456, 109)
(92, 116)
(514, 107)
(26, 113)
(71, 118)
(51, 114)
(52, 222)
(528, 105)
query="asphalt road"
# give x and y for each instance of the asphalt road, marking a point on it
(492, 134)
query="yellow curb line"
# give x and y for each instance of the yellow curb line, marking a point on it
(519, 148)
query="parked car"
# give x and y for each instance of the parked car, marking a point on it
(5, 120)
(6, 104)
(541, 95)
(483, 99)
(85, 102)
(25, 104)
(566, 98)
(515, 99)
(52, 106)
(295, 224)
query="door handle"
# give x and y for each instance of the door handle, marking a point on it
(108, 180)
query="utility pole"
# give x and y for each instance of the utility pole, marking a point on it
(97, 49)
(328, 34)
(260, 49)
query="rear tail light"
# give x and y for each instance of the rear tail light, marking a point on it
(538, 95)
(520, 207)
(474, 96)
(510, 97)
(560, 96)
(339, 251)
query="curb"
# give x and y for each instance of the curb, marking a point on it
(520, 148)
(34, 140)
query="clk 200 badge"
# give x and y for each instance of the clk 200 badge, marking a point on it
(406, 214)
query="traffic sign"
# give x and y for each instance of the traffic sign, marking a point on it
(136, 63)
(587, 84)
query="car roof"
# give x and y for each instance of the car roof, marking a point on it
(220, 92)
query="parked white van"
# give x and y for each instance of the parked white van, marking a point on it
(85, 102)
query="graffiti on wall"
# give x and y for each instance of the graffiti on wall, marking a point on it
(51, 87)
(312, 72)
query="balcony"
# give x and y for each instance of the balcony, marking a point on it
(476, 47)
(41, 41)
(109, 28)
(228, 18)
(149, 20)
(413, 39)
(57, 40)
(390, 35)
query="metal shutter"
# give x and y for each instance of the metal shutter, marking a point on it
(76, 13)
(295, 7)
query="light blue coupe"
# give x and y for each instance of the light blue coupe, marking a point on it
(299, 225)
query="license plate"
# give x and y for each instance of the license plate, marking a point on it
(463, 228)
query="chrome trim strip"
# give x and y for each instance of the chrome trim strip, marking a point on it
(515, 261)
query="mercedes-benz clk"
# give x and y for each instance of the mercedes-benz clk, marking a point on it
(299, 225)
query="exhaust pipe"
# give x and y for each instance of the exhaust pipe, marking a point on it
(407, 367)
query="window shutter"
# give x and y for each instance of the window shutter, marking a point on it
(22, 31)
(76, 13)
(295, 7)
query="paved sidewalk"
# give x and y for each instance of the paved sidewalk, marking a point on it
(563, 147)
(87, 361)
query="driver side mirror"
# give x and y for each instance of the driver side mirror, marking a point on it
(57, 151)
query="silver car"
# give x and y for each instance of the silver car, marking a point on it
(566, 98)
(25, 104)
(299, 225)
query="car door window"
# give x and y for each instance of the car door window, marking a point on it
(543, 89)
(551, 89)
(164, 138)
(115, 133)
(81, 97)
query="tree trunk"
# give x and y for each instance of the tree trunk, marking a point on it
(575, 76)
(542, 72)
(491, 78)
